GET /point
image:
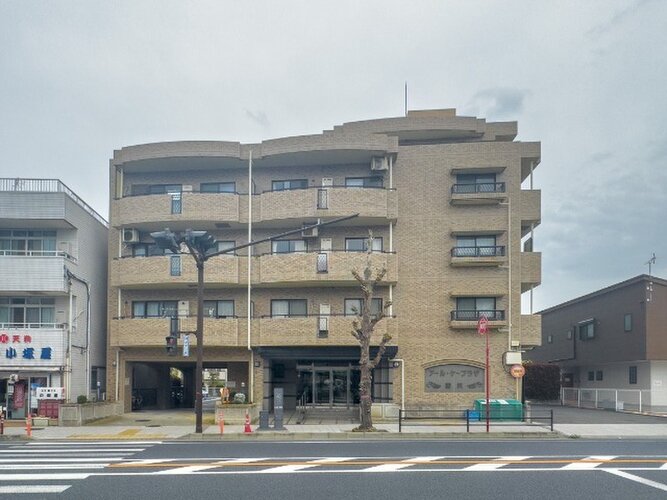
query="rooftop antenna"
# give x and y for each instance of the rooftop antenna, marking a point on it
(406, 98)
(649, 286)
(650, 261)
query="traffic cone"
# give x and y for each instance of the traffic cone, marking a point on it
(28, 426)
(247, 428)
(221, 423)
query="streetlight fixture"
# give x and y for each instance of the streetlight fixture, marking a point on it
(198, 244)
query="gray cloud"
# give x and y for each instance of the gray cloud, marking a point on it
(498, 103)
(258, 117)
(618, 18)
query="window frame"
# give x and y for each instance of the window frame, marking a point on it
(290, 304)
(161, 306)
(287, 184)
(627, 322)
(364, 248)
(374, 310)
(203, 187)
(217, 303)
(371, 181)
(275, 244)
(632, 375)
(586, 335)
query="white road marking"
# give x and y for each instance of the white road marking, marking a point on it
(502, 462)
(590, 462)
(58, 460)
(399, 466)
(44, 477)
(38, 488)
(74, 450)
(641, 480)
(52, 466)
(196, 468)
(96, 443)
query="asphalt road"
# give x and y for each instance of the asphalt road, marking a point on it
(387, 469)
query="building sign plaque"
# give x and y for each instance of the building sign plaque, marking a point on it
(454, 378)
(34, 348)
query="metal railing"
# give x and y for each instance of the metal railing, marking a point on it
(21, 326)
(481, 187)
(495, 251)
(36, 253)
(491, 315)
(472, 418)
(322, 263)
(641, 400)
(47, 186)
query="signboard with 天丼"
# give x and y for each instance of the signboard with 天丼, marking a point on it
(35, 348)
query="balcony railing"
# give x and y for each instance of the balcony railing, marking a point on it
(20, 326)
(495, 251)
(491, 315)
(482, 187)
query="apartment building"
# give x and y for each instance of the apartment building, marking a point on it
(611, 344)
(53, 256)
(452, 224)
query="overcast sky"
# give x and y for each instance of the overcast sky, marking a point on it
(587, 79)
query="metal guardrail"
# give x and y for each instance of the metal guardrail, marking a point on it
(471, 418)
(47, 186)
(482, 187)
(465, 315)
(641, 400)
(495, 251)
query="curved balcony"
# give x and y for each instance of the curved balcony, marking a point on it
(372, 204)
(317, 331)
(323, 268)
(153, 272)
(164, 208)
(151, 332)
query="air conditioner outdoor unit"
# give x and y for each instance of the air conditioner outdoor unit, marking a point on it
(379, 163)
(130, 235)
(311, 232)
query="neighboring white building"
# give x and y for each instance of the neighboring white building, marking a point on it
(53, 258)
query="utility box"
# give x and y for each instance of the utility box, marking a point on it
(500, 409)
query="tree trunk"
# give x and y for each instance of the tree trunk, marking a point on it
(366, 402)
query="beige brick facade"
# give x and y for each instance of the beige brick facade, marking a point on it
(421, 205)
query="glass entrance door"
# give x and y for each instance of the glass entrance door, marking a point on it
(328, 386)
(340, 387)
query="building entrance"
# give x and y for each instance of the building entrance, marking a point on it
(328, 386)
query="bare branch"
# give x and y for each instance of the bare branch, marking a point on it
(381, 349)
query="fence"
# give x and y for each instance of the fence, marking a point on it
(472, 418)
(616, 399)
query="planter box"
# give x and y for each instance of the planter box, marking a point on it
(384, 412)
(40, 421)
(234, 414)
(75, 415)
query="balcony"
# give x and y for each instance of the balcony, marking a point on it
(317, 331)
(149, 272)
(372, 204)
(487, 193)
(33, 271)
(531, 330)
(464, 319)
(324, 268)
(530, 209)
(531, 270)
(151, 332)
(187, 206)
(478, 256)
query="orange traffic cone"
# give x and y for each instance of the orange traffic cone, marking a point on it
(28, 426)
(221, 423)
(247, 428)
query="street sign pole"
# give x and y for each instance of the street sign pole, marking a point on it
(483, 329)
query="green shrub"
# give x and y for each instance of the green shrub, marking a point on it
(81, 399)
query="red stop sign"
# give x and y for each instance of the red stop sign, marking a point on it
(483, 325)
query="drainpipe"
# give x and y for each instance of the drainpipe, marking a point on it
(68, 360)
(251, 388)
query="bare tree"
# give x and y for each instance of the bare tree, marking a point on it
(362, 330)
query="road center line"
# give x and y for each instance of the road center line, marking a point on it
(400, 465)
(589, 462)
(637, 479)
(496, 464)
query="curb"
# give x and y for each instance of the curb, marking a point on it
(364, 436)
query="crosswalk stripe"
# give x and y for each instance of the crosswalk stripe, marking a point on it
(589, 462)
(53, 466)
(44, 477)
(35, 488)
(496, 464)
(37, 444)
(398, 466)
(58, 460)
(73, 450)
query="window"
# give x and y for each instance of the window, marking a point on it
(569, 334)
(27, 242)
(587, 330)
(367, 182)
(477, 246)
(217, 187)
(289, 184)
(164, 189)
(288, 246)
(154, 309)
(591, 376)
(222, 245)
(27, 311)
(219, 308)
(288, 308)
(598, 375)
(627, 323)
(175, 265)
(353, 306)
(632, 375)
(361, 244)
(550, 339)
(472, 308)
(477, 183)
(148, 250)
